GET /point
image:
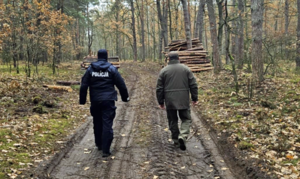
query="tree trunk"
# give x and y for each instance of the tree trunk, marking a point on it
(176, 19)
(133, 31)
(233, 29)
(213, 33)
(298, 38)
(240, 34)
(143, 31)
(89, 31)
(160, 46)
(221, 24)
(227, 41)
(165, 22)
(170, 20)
(247, 45)
(206, 38)
(257, 7)
(201, 23)
(141, 15)
(60, 7)
(148, 52)
(286, 28)
(153, 36)
(163, 27)
(187, 24)
(286, 15)
(117, 11)
(227, 29)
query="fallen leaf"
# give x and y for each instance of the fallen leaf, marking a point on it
(182, 167)
(86, 168)
(155, 177)
(123, 135)
(224, 168)
(289, 156)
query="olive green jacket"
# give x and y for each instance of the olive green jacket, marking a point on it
(174, 84)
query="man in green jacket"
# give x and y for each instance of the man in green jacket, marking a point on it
(174, 84)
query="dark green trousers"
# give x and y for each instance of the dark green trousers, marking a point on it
(184, 131)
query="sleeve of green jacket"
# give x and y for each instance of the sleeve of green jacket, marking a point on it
(160, 89)
(193, 86)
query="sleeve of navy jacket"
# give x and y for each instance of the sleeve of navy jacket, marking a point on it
(85, 82)
(121, 86)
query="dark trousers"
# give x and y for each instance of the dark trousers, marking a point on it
(103, 113)
(184, 130)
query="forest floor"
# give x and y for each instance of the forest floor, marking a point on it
(45, 133)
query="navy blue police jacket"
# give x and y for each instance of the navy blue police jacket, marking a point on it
(101, 78)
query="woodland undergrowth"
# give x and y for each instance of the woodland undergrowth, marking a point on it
(261, 120)
(35, 121)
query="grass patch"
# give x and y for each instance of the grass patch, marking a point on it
(294, 162)
(245, 145)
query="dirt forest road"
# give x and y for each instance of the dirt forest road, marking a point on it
(142, 147)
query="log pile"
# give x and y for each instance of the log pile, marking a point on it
(58, 88)
(89, 59)
(195, 58)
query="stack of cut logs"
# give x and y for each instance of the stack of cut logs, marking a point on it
(195, 58)
(89, 59)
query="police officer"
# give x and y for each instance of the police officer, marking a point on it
(101, 78)
(174, 84)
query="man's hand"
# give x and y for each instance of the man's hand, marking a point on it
(162, 106)
(127, 100)
(195, 103)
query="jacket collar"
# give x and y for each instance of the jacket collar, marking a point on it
(173, 62)
(102, 59)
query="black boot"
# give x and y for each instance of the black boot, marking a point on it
(182, 144)
(104, 155)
